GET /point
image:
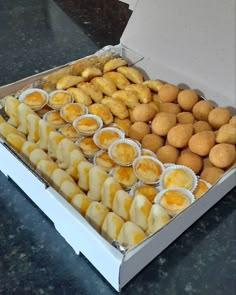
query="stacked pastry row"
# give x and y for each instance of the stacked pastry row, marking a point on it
(99, 197)
(177, 125)
(118, 214)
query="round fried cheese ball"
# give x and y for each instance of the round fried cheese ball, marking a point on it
(163, 122)
(222, 155)
(200, 126)
(179, 135)
(168, 93)
(187, 99)
(226, 134)
(211, 174)
(202, 109)
(143, 112)
(185, 118)
(152, 142)
(167, 154)
(170, 107)
(138, 130)
(190, 160)
(219, 117)
(202, 142)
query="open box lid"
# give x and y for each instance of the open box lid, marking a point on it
(191, 42)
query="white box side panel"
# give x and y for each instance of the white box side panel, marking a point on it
(193, 38)
(139, 257)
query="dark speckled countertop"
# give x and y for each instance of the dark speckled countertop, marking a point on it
(34, 258)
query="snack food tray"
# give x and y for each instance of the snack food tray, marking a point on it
(118, 268)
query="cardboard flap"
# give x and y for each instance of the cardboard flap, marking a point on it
(196, 38)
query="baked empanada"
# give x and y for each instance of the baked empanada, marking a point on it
(68, 81)
(113, 64)
(154, 85)
(117, 107)
(54, 138)
(132, 74)
(91, 90)
(91, 72)
(118, 79)
(80, 96)
(102, 111)
(142, 91)
(106, 86)
(130, 98)
(64, 148)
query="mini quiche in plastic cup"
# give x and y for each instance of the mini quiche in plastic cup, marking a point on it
(148, 169)
(147, 190)
(174, 199)
(201, 188)
(178, 176)
(124, 151)
(58, 98)
(88, 124)
(69, 132)
(106, 136)
(71, 111)
(102, 159)
(54, 118)
(35, 98)
(87, 145)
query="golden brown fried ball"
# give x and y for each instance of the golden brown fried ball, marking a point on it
(152, 142)
(222, 155)
(190, 160)
(202, 142)
(143, 112)
(163, 122)
(219, 117)
(179, 135)
(167, 154)
(138, 130)
(202, 109)
(187, 99)
(168, 93)
(211, 174)
(200, 126)
(185, 118)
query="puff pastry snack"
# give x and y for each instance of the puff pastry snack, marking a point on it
(111, 226)
(11, 109)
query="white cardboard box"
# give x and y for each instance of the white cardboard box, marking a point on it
(190, 42)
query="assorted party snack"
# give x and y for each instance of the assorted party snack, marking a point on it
(127, 153)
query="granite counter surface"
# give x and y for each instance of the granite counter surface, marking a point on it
(34, 258)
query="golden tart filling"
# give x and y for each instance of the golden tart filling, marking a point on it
(34, 98)
(54, 118)
(148, 169)
(175, 200)
(87, 124)
(125, 176)
(59, 98)
(147, 191)
(103, 160)
(106, 136)
(179, 176)
(123, 152)
(201, 188)
(88, 146)
(69, 132)
(72, 110)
